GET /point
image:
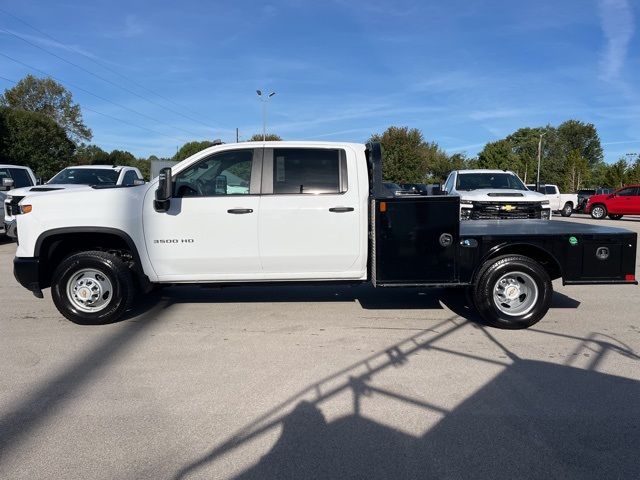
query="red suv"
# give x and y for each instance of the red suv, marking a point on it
(625, 201)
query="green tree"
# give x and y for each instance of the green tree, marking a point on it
(497, 155)
(574, 135)
(34, 140)
(191, 148)
(577, 171)
(269, 137)
(616, 174)
(124, 158)
(406, 154)
(90, 155)
(48, 97)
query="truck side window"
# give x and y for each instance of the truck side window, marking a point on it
(226, 173)
(550, 190)
(309, 170)
(129, 177)
(627, 192)
(20, 178)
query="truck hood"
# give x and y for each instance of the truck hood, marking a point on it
(501, 195)
(45, 189)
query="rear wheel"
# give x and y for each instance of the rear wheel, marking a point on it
(567, 210)
(512, 292)
(615, 217)
(598, 212)
(92, 288)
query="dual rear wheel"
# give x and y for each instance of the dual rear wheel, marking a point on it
(512, 292)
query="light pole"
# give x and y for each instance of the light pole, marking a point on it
(539, 156)
(264, 99)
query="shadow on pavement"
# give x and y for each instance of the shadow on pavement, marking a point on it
(533, 420)
(370, 298)
(44, 401)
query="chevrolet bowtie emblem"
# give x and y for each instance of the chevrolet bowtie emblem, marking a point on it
(508, 208)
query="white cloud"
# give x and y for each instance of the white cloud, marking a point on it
(617, 24)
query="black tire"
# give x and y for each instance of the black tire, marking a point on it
(108, 267)
(598, 211)
(567, 210)
(496, 269)
(615, 216)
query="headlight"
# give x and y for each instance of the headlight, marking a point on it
(544, 202)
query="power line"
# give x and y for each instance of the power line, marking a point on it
(109, 69)
(91, 73)
(93, 94)
(115, 118)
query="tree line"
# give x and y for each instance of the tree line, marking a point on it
(42, 127)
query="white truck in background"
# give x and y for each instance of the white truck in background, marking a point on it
(495, 195)
(563, 203)
(14, 176)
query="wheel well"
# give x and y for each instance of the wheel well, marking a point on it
(544, 258)
(55, 248)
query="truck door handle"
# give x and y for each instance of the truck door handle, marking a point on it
(240, 211)
(341, 209)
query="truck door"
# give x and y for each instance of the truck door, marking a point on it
(211, 229)
(310, 214)
(622, 201)
(553, 194)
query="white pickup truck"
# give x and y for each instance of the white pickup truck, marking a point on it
(495, 195)
(296, 212)
(563, 203)
(78, 177)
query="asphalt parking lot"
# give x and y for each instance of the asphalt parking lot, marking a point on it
(330, 382)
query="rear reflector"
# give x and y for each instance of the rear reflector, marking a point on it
(383, 206)
(630, 278)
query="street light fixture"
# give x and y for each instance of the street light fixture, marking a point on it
(264, 99)
(539, 156)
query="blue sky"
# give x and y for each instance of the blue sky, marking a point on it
(464, 72)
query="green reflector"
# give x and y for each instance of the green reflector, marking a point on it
(573, 240)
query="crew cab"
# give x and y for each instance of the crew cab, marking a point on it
(82, 177)
(563, 203)
(624, 201)
(495, 194)
(263, 212)
(14, 176)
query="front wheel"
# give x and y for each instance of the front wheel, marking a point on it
(567, 210)
(598, 212)
(512, 292)
(615, 217)
(92, 288)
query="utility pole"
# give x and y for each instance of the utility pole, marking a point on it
(539, 157)
(264, 99)
(237, 135)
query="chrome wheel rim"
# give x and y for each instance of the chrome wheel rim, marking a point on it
(89, 290)
(515, 293)
(598, 212)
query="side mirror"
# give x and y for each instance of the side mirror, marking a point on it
(221, 185)
(164, 190)
(7, 184)
(39, 181)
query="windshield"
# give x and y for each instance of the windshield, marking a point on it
(475, 181)
(86, 176)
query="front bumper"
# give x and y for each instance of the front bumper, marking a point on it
(27, 273)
